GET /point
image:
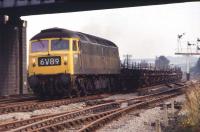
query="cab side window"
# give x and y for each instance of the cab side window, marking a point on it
(74, 45)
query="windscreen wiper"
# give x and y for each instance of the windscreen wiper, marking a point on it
(40, 41)
(59, 40)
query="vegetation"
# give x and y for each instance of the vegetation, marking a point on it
(190, 121)
(189, 118)
(192, 107)
(161, 62)
(196, 68)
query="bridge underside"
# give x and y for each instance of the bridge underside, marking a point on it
(60, 6)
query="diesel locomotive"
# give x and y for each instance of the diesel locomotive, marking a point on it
(68, 63)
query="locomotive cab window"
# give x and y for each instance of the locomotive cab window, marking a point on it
(39, 46)
(74, 45)
(60, 45)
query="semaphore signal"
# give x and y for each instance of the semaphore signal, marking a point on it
(189, 52)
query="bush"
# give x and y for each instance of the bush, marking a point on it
(192, 108)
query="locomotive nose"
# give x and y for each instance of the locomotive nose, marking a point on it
(46, 85)
(49, 65)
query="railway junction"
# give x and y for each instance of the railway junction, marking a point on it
(92, 114)
(89, 113)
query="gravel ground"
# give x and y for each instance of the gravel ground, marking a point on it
(65, 108)
(122, 96)
(141, 122)
(26, 115)
(129, 123)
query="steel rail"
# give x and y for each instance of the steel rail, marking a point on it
(84, 120)
(107, 118)
(16, 124)
(99, 108)
(75, 122)
(33, 105)
(67, 116)
(7, 100)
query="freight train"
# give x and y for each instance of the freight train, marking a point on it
(69, 63)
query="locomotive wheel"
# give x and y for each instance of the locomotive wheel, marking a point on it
(77, 90)
(109, 85)
(77, 87)
(50, 90)
(57, 90)
(70, 93)
(42, 90)
(83, 88)
(89, 87)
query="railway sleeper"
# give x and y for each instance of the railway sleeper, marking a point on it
(74, 122)
(102, 121)
(61, 118)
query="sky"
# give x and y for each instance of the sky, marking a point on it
(143, 32)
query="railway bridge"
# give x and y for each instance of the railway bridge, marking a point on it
(13, 65)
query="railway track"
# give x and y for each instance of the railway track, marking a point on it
(36, 104)
(100, 121)
(29, 103)
(15, 96)
(14, 99)
(89, 118)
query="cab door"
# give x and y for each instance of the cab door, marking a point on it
(76, 57)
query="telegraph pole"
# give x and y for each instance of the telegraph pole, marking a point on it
(127, 59)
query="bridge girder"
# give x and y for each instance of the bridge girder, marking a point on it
(60, 6)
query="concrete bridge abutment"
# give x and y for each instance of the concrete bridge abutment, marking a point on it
(13, 68)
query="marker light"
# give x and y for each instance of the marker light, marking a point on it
(33, 61)
(65, 60)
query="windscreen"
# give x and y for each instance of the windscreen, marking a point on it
(60, 45)
(39, 46)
